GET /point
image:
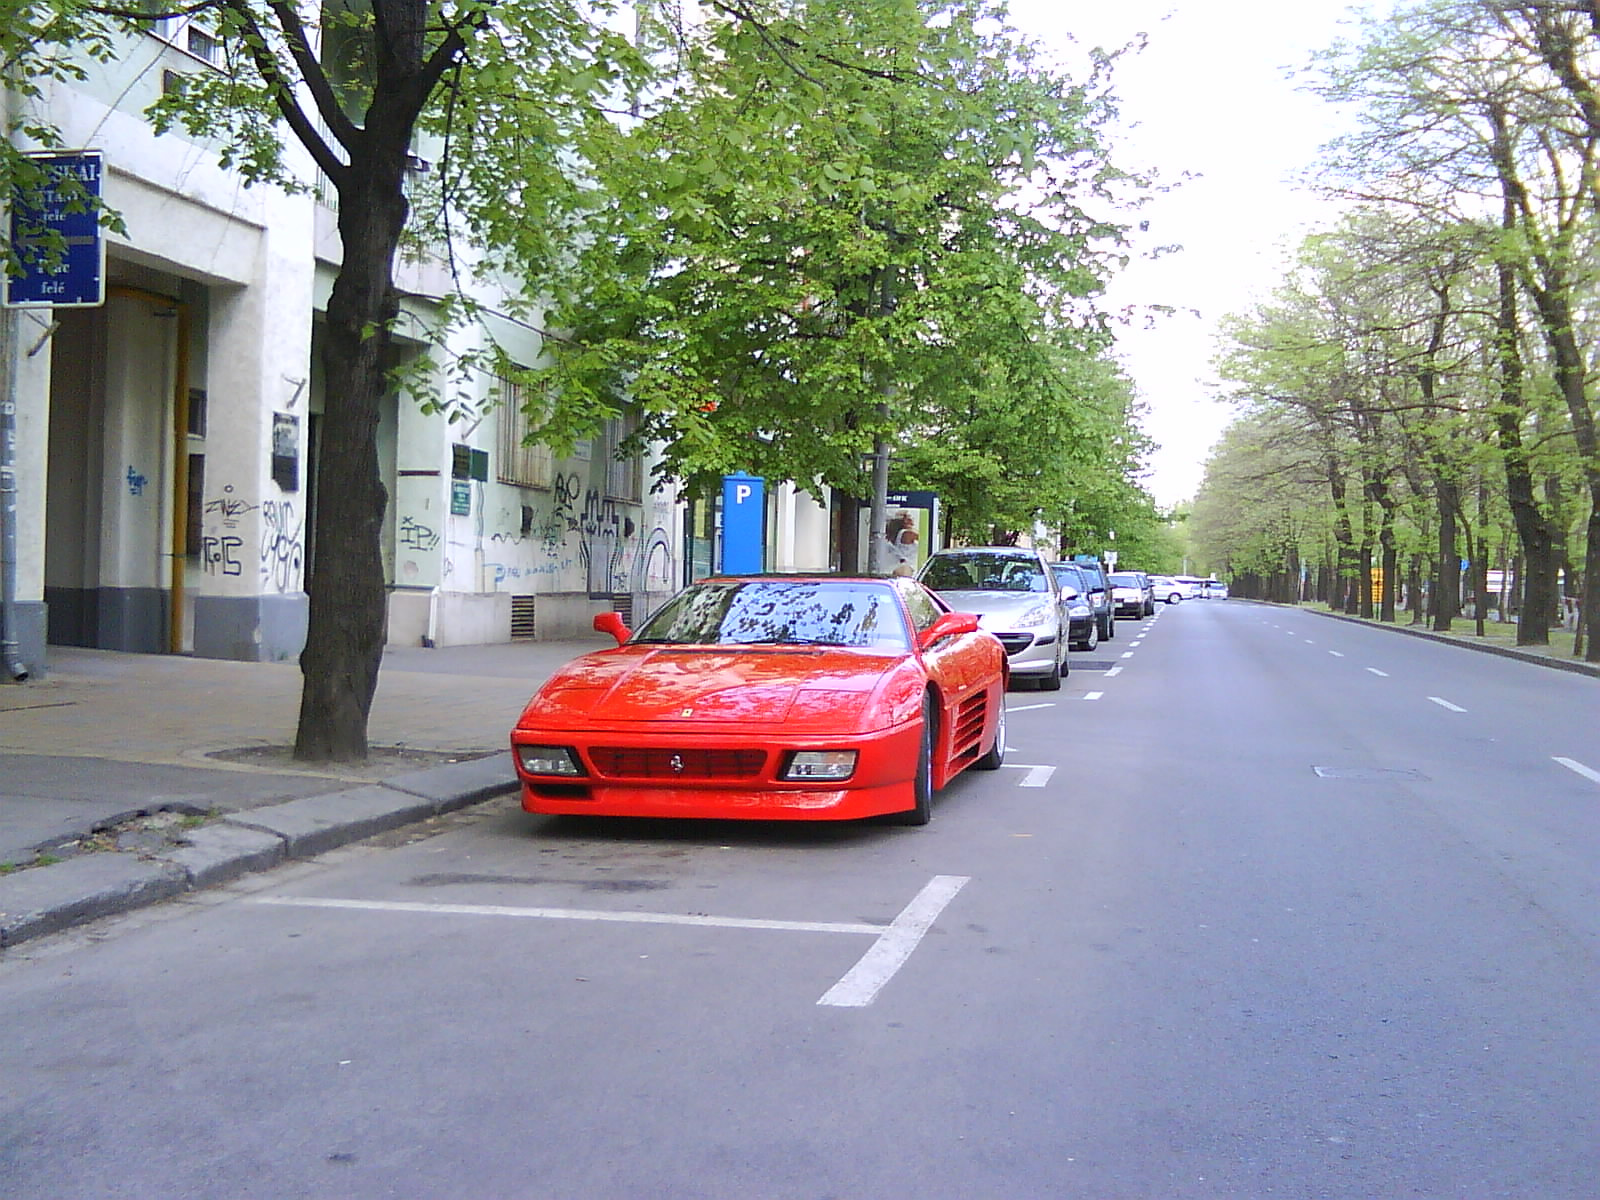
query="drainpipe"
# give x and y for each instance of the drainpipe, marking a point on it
(10, 645)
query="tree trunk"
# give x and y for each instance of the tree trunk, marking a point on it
(345, 635)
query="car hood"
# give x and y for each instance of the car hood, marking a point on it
(996, 610)
(796, 687)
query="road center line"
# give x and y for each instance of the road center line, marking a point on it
(1573, 764)
(862, 983)
(1443, 703)
(567, 914)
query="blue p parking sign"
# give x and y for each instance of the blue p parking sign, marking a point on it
(56, 235)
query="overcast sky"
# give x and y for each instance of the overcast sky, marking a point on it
(1208, 96)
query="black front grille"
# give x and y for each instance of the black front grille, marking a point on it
(1015, 643)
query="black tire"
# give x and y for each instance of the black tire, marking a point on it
(1052, 681)
(922, 811)
(1109, 633)
(1091, 639)
(1174, 598)
(996, 754)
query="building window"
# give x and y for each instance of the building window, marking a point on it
(516, 463)
(624, 476)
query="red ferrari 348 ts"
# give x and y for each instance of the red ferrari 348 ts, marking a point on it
(770, 696)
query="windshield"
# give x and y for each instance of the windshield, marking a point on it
(984, 573)
(806, 612)
(1123, 579)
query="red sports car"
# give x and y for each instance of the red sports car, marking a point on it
(765, 696)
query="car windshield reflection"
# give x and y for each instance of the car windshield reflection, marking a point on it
(757, 612)
(984, 573)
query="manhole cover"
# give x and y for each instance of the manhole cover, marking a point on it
(1369, 774)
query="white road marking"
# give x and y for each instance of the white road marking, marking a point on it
(1375, 671)
(1011, 708)
(1036, 776)
(1309, 642)
(1335, 653)
(1573, 764)
(862, 983)
(1127, 654)
(1442, 703)
(1113, 672)
(567, 914)
(1093, 695)
(1135, 645)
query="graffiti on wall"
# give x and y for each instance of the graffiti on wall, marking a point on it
(416, 536)
(282, 546)
(575, 538)
(220, 555)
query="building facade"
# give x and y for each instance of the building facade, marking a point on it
(166, 441)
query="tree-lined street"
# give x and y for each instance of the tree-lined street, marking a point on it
(1276, 904)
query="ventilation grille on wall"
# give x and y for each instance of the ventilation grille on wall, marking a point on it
(523, 626)
(622, 604)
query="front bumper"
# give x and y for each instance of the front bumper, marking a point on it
(882, 782)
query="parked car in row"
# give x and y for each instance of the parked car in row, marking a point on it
(1016, 596)
(1083, 622)
(1098, 578)
(1131, 594)
(1213, 589)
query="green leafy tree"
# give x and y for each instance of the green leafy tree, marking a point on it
(851, 232)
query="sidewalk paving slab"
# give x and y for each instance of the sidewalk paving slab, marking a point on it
(204, 737)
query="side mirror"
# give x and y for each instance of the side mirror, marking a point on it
(948, 625)
(611, 622)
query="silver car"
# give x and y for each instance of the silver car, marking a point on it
(1016, 597)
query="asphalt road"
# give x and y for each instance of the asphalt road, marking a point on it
(1283, 906)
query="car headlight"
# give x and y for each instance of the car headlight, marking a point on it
(1034, 616)
(820, 764)
(1079, 610)
(548, 760)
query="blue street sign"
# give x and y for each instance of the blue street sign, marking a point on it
(744, 524)
(68, 206)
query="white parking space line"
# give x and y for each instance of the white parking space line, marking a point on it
(1093, 695)
(566, 914)
(1037, 776)
(1127, 654)
(1335, 653)
(1443, 703)
(1011, 708)
(859, 987)
(1375, 671)
(1113, 672)
(1574, 765)
(863, 982)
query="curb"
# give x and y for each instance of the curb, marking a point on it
(45, 900)
(1559, 664)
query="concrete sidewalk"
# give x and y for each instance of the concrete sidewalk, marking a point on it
(126, 778)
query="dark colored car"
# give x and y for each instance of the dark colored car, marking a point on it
(1098, 578)
(1083, 624)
